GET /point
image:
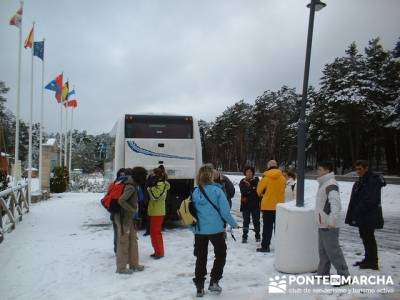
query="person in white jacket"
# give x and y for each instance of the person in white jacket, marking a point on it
(290, 191)
(327, 211)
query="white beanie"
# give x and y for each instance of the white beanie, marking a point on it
(272, 163)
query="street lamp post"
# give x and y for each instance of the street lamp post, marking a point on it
(314, 6)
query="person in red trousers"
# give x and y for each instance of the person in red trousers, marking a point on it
(158, 188)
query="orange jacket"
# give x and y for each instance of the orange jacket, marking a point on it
(272, 189)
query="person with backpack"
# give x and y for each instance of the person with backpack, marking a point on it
(110, 200)
(212, 213)
(162, 168)
(158, 190)
(290, 191)
(127, 245)
(365, 212)
(327, 213)
(272, 190)
(250, 203)
(143, 200)
(226, 184)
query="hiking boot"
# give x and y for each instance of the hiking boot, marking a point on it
(214, 287)
(199, 287)
(357, 263)
(263, 250)
(368, 265)
(138, 268)
(155, 256)
(200, 293)
(124, 272)
(244, 240)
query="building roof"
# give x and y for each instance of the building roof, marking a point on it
(50, 142)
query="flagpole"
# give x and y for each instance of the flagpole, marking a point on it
(30, 123)
(66, 136)
(61, 136)
(41, 127)
(16, 152)
(70, 145)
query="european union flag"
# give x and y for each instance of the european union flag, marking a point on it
(38, 49)
(52, 86)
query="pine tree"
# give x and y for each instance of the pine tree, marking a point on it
(342, 86)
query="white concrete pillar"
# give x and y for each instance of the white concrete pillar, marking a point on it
(296, 238)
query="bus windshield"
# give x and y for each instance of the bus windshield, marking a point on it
(158, 127)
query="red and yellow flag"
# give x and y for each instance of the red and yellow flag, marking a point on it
(16, 19)
(29, 40)
(59, 83)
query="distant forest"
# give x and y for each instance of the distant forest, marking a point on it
(354, 114)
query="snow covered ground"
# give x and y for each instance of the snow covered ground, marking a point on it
(63, 250)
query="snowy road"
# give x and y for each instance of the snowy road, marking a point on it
(388, 238)
(63, 250)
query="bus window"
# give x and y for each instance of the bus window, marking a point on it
(158, 127)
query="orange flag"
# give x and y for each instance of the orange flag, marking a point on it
(29, 40)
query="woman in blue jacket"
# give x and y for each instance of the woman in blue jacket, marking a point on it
(213, 213)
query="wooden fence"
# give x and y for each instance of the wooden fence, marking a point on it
(13, 205)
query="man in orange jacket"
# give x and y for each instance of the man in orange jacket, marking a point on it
(272, 190)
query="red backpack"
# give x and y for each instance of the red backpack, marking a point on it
(110, 200)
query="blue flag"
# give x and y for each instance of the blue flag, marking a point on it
(38, 49)
(71, 93)
(52, 86)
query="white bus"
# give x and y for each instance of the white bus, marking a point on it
(152, 140)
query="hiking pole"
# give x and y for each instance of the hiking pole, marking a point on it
(230, 230)
(252, 229)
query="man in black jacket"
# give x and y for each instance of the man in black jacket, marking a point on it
(365, 212)
(226, 184)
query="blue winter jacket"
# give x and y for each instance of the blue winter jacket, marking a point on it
(209, 221)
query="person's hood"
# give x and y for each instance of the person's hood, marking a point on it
(217, 184)
(290, 181)
(325, 178)
(121, 178)
(273, 173)
(129, 180)
(164, 183)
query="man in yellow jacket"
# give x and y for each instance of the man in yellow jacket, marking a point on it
(272, 190)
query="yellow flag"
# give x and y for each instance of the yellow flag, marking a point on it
(65, 91)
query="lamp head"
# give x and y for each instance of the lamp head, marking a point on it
(318, 5)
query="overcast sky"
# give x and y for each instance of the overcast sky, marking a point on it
(179, 56)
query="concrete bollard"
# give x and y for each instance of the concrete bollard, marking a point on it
(296, 239)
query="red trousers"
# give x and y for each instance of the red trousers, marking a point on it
(155, 234)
